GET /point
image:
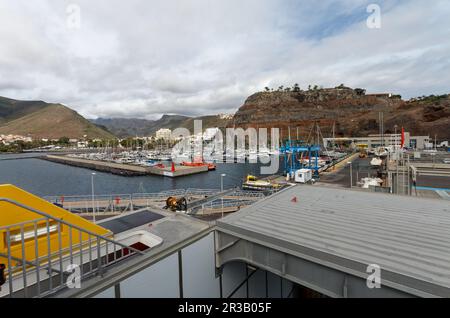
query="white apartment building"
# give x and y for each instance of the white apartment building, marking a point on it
(165, 134)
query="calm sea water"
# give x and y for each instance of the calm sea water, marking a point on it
(45, 178)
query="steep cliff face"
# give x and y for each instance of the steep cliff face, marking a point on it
(353, 112)
(427, 116)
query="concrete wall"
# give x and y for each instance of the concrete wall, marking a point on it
(375, 141)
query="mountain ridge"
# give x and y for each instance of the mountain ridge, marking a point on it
(41, 120)
(351, 111)
(131, 127)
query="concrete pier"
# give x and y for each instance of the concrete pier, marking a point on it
(125, 169)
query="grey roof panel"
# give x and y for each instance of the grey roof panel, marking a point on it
(405, 235)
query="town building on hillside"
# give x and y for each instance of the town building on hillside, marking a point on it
(381, 95)
(9, 139)
(165, 134)
(226, 116)
(82, 144)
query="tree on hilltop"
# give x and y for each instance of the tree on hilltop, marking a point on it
(360, 91)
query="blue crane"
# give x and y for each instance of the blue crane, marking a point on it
(294, 152)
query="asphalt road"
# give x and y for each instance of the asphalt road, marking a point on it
(360, 169)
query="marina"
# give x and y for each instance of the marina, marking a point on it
(322, 212)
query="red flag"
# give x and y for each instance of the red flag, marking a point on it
(173, 166)
(403, 137)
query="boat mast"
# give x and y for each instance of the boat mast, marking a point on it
(334, 135)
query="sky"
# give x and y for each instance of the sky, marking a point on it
(146, 58)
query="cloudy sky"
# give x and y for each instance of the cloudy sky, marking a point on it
(144, 58)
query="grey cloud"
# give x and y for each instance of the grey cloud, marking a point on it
(145, 58)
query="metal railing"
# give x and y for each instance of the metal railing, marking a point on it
(36, 261)
(247, 194)
(121, 203)
(178, 192)
(217, 204)
(102, 204)
(232, 199)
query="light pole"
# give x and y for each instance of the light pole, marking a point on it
(221, 188)
(351, 173)
(396, 139)
(93, 196)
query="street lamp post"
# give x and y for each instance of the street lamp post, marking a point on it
(396, 139)
(221, 189)
(93, 197)
(351, 174)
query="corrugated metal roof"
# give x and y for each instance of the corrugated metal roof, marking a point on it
(405, 235)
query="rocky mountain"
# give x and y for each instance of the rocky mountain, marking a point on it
(38, 119)
(130, 127)
(351, 110)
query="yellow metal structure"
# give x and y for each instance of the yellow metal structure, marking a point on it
(52, 235)
(251, 178)
(253, 183)
(362, 150)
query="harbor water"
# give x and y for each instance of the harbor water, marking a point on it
(45, 178)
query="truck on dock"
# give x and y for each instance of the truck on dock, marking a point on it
(303, 175)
